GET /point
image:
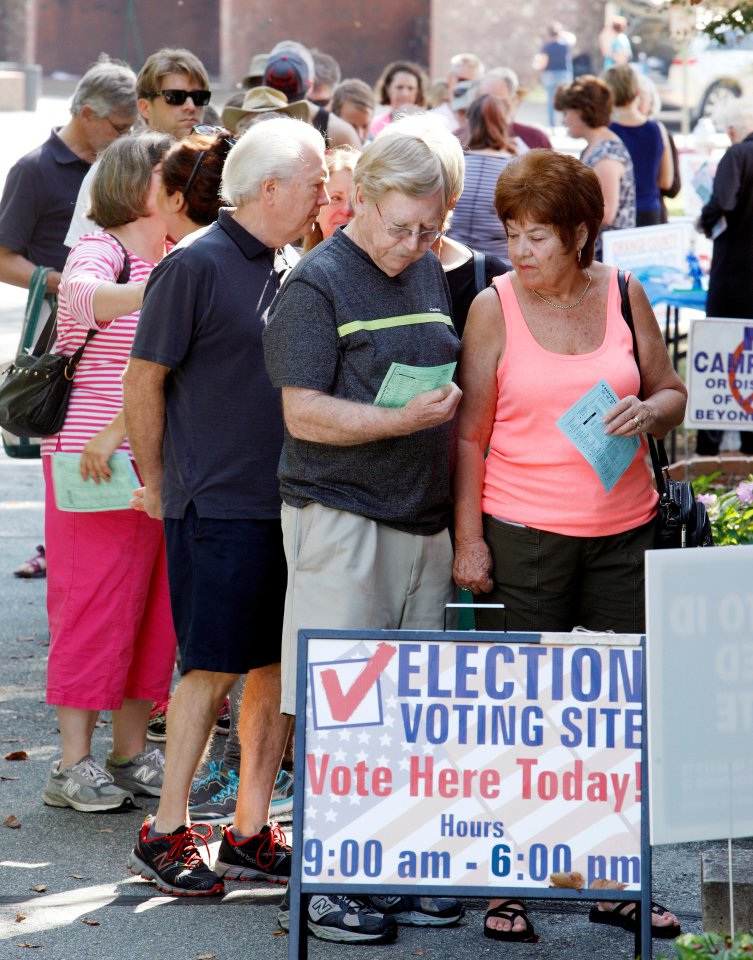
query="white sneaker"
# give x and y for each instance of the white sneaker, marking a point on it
(85, 786)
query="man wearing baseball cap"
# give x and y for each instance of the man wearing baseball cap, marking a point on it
(290, 69)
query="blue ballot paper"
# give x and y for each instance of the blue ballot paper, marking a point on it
(582, 425)
(76, 495)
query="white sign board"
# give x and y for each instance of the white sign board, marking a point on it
(466, 764)
(720, 374)
(665, 245)
(697, 172)
(699, 652)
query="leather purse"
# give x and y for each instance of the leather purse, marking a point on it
(36, 387)
(682, 521)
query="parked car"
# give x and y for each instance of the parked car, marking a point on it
(709, 73)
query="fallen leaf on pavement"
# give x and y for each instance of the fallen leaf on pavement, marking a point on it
(106, 830)
(26, 638)
(18, 755)
(32, 946)
(89, 922)
(207, 956)
(602, 884)
(572, 880)
(39, 888)
(20, 917)
(4, 777)
(280, 933)
(10, 740)
(13, 822)
(78, 876)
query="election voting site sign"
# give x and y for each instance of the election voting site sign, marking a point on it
(720, 374)
(699, 651)
(468, 764)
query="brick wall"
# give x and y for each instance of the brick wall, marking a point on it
(72, 33)
(508, 34)
(17, 30)
(363, 36)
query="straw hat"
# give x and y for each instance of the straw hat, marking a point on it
(256, 69)
(260, 100)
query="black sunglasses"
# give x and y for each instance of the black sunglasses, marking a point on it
(176, 98)
(207, 129)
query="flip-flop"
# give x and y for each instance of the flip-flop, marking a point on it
(509, 910)
(32, 569)
(624, 914)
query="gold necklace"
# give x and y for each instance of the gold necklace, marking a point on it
(565, 306)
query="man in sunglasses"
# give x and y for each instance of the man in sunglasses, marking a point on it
(172, 89)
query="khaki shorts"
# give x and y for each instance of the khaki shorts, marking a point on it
(347, 572)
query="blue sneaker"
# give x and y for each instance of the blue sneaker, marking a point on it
(206, 787)
(281, 805)
(419, 911)
(221, 807)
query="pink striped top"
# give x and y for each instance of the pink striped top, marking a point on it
(97, 393)
(534, 475)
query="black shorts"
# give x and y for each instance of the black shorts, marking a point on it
(227, 591)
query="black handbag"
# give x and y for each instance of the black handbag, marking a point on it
(682, 521)
(36, 387)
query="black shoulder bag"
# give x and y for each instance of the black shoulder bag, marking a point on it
(682, 521)
(36, 387)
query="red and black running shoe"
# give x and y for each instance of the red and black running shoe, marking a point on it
(174, 862)
(265, 856)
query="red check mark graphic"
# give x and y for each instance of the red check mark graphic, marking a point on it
(343, 705)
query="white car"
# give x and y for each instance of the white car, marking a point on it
(709, 73)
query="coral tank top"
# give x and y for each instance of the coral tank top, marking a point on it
(534, 475)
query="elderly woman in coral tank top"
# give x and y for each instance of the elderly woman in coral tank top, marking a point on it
(536, 528)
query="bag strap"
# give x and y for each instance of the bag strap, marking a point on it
(659, 459)
(479, 270)
(47, 336)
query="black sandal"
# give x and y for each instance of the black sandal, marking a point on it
(624, 914)
(509, 910)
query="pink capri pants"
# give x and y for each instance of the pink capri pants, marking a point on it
(111, 629)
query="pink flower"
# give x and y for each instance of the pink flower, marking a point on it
(707, 499)
(744, 491)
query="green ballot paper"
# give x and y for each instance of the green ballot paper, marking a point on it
(76, 495)
(402, 382)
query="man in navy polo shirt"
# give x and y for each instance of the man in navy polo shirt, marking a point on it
(41, 188)
(205, 425)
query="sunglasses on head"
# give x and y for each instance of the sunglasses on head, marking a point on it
(206, 129)
(176, 98)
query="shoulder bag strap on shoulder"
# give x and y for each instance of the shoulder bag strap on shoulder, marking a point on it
(479, 270)
(659, 459)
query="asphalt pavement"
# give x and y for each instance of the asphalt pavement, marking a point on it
(64, 891)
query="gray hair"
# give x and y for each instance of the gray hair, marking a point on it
(646, 85)
(466, 60)
(326, 69)
(272, 150)
(109, 86)
(417, 156)
(737, 114)
(507, 74)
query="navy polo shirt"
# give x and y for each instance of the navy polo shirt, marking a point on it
(38, 201)
(203, 315)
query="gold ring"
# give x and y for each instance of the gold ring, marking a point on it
(637, 422)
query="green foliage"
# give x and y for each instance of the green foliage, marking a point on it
(718, 19)
(712, 946)
(730, 510)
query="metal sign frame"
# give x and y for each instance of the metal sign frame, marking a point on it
(299, 887)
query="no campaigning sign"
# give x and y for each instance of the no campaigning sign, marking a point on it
(467, 764)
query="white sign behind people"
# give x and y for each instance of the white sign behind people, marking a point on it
(720, 374)
(699, 649)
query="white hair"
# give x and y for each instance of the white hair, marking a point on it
(736, 114)
(466, 60)
(646, 85)
(504, 73)
(273, 150)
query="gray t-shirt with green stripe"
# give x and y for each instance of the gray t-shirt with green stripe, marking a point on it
(337, 326)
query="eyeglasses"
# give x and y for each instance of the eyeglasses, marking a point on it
(120, 128)
(176, 98)
(206, 129)
(403, 233)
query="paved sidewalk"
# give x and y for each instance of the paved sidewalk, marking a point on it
(79, 858)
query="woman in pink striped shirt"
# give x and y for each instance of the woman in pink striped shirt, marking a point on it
(112, 643)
